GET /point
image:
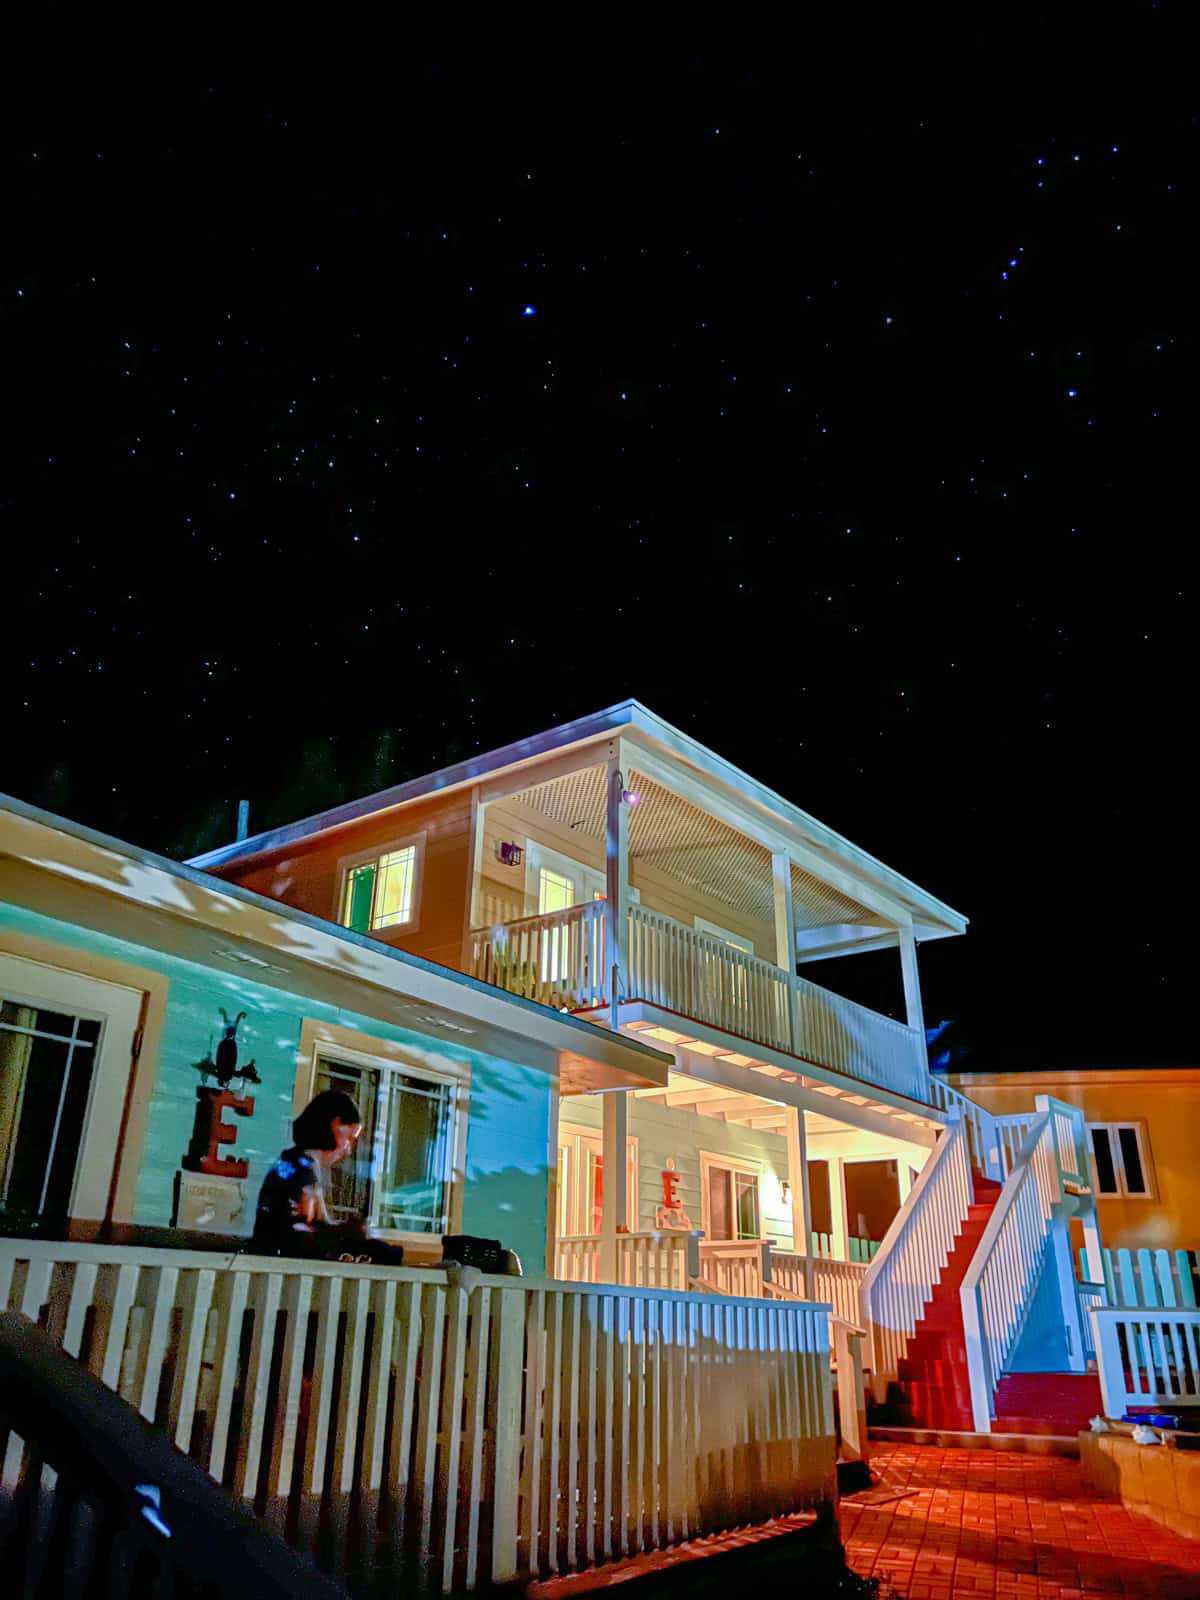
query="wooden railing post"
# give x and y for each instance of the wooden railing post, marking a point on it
(852, 1399)
(508, 1363)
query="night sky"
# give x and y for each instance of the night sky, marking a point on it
(366, 413)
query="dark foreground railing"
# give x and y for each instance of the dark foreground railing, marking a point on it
(94, 1501)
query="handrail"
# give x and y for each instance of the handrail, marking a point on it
(900, 1280)
(124, 1503)
(1000, 1281)
(1147, 1357)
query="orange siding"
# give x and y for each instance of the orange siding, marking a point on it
(307, 874)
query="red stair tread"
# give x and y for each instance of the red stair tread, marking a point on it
(1046, 1402)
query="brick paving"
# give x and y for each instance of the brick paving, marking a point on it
(1000, 1525)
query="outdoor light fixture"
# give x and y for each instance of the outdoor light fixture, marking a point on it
(510, 854)
(785, 1191)
(630, 797)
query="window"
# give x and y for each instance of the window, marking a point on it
(730, 1198)
(581, 1181)
(380, 891)
(1120, 1158)
(555, 891)
(399, 1176)
(47, 1062)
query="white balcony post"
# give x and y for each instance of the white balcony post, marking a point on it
(797, 1154)
(1093, 1248)
(616, 873)
(785, 930)
(615, 1180)
(914, 1011)
(839, 1231)
(904, 1178)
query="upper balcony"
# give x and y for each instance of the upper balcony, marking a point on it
(564, 959)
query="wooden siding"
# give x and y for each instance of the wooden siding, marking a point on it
(306, 874)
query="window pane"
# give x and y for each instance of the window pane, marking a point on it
(1131, 1158)
(556, 892)
(394, 896)
(1106, 1176)
(44, 1087)
(720, 1209)
(413, 1190)
(360, 889)
(350, 1181)
(747, 1205)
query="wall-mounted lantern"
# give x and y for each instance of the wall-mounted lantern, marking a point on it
(510, 854)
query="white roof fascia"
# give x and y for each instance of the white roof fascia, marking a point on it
(778, 817)
(59, 846)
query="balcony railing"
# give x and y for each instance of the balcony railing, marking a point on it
(410, 1429)
(563, 959)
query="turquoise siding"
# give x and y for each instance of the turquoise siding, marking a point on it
(508, 1132)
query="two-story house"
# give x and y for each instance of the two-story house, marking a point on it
(616, 869)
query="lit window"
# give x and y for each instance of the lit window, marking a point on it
(556, 892)
(399, 1175)
(1120, 1158)
(381, 893)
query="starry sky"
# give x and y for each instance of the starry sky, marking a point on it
(367, 413)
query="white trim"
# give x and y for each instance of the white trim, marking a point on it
(454, 1076)
(118, 1009)
(590, 882)
(1122, 1191)
(593, 1139)
(743, 1164)
(347, 864)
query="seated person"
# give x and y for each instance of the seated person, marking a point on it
(293, 1214)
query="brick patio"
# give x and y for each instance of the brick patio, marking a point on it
(1018, 1527)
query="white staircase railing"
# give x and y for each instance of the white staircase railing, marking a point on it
(900, 1281)
(1001, 1280)
(1147, 1357)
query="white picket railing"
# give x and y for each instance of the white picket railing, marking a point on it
(667, 1260)
(1000, 1281)
(736, 1266)
(819, 1278)
(561, 959)
(995, 1141)
(1147, 1357)
(900, 1280)
(558, 959)
(406, 1427)
(1147, 1277)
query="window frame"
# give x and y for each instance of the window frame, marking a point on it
(347, 864)
(324, 1042)
(590, 883)
(748, 1167)
(578, 1140)
(104, 1145)
(1122, 1191)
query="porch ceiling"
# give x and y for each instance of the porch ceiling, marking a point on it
(692, 846)
(685, 1093)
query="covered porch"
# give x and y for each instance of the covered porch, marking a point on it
(736, 1182)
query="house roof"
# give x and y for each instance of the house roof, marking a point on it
(660, 750)
(217, 919)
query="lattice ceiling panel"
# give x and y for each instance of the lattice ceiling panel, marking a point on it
(690, 845)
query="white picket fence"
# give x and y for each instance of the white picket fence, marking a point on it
(900, 1281)
(399, 1425)
(818, 1278)
(1147, 1357)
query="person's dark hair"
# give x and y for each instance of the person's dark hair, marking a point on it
(313, 1128)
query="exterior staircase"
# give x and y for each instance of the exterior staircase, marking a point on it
(932, 1388)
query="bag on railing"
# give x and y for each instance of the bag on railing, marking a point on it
(486, 1255)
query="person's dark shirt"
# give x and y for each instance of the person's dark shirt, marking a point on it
(279, 1217)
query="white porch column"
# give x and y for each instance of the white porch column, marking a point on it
(615, 1180)
(797, 1154)
(1092, 1244)
(785, 929)
(912, 982)
(839, 1231)
(904, 1178)
(616, 864)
